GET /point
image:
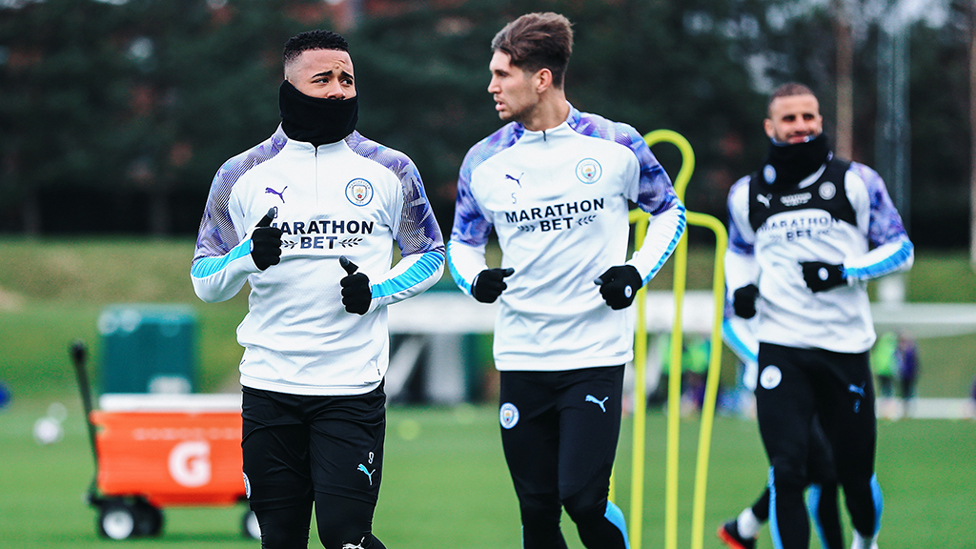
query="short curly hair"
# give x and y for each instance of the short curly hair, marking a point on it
(788, 89)
(312, 40)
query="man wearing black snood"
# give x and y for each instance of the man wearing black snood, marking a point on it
(308, 219)
(806, 233)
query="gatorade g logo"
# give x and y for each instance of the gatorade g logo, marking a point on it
(189, 463)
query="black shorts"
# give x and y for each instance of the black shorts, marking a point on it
(296, 445)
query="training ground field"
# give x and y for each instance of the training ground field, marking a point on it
(445, 484)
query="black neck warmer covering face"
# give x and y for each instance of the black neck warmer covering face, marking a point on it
(788, 164)
(316, 120)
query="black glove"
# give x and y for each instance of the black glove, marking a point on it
(489, 284)
(356, 295)
(266, 242)
(744, 301)
(619, 285)
(821, 276)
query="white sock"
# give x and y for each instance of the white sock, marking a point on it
(861, 542)
(748, 524)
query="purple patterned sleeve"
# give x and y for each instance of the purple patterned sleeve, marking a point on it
(418, 231)
(737, 241)
(471, 227)
(655, 193)
(217, 235)
(886, 224)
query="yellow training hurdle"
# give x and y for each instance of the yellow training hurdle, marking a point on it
(680, 259)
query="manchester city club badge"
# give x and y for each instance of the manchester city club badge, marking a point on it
(589, 171)
(770, 377)
(359, 191)
(508, 415)
(827, 190)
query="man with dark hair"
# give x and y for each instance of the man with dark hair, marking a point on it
(741, 532)
(296, 217)
(554, 185)
(806, 233)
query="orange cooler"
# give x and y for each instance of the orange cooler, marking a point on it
(170, 449)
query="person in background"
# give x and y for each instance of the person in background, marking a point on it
(883, 365)
(308, 219)
(972, 401)
(742, 532)
(807, 231)
(907, 356)
(695, 350)
(555, 184)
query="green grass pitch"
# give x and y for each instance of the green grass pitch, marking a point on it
(446, 485)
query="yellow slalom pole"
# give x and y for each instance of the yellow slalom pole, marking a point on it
(674, 376)
(639, 219)
(714, 369)
(674, 397)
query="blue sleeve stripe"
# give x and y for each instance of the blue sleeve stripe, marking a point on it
(206, 266)
(735, 342)
(463, 284)
(423, 269)
(680, 230)
(885, 266)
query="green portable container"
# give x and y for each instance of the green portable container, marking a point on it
(148, 348)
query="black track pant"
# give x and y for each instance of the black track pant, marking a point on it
(559, 433)
(822, 493)
(299, 449)
(794, 386)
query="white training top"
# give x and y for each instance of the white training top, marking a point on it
(789, 313)
(558, 202)
(352, 198)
